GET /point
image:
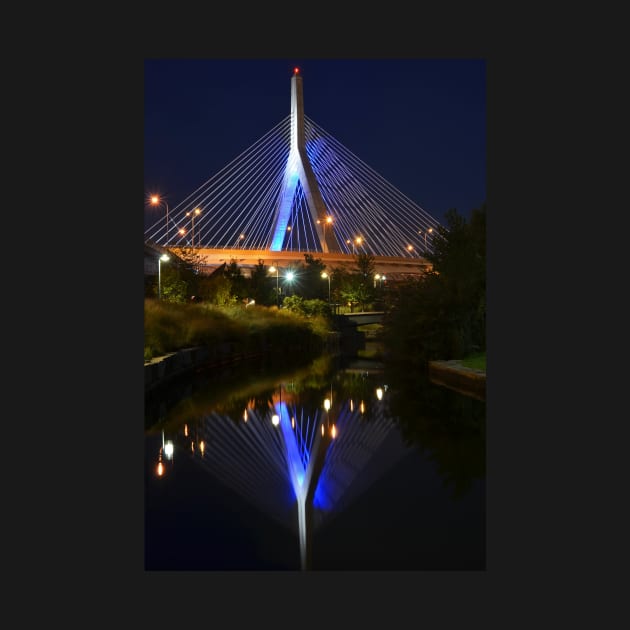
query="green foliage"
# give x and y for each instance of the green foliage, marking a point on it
(475, 361)
(259, 285)
(170, 326)
(311, 284)
(442, 315)
(365, 265)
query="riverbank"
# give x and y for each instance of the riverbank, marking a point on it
(454, 375)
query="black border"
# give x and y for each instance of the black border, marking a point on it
(103, 539)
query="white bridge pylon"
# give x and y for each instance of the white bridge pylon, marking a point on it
(299, 169)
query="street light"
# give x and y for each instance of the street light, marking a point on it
(327, 221)
(358, 240)
(272, 269)
(380, 279)
(155, 201)
(193, 214)
(325, 275)
(425, 236)
(289, 276)
(161, 259)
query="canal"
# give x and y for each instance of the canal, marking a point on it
(328, 463)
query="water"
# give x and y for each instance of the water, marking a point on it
(401, 486)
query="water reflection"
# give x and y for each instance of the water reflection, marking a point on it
(304, 446)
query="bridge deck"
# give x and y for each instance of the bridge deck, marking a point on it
(213, 258)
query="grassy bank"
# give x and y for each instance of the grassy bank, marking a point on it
(169, 327)
(475, 361)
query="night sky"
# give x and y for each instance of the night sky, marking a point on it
(420, 123)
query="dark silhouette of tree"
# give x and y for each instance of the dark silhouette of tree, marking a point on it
(259, 285)
(442, 314)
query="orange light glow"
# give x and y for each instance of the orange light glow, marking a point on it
(333, 431)
(160, 469)
(296, 70)
(362, 407)
(322, 429)
(186, 430)
(202, 446)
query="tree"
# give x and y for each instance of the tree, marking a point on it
(238, 282)
(442, 315)
(259, 288)
(311, 285)
(365, 265)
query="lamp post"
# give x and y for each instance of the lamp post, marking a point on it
(327, 221)
(155, 201)
(358, 240)
(325, 275)
(161, 259)
(193, 214)
(272, 269)
(425, 236)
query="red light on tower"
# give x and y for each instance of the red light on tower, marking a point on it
(296, 70)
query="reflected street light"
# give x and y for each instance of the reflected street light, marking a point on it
(325, 275)
(272, 269)
(161, 259)
(155, 201)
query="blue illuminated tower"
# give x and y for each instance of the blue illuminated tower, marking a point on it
(299, 169)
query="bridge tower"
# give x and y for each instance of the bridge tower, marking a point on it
(299, 169)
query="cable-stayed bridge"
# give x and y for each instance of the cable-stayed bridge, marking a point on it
(297, 190)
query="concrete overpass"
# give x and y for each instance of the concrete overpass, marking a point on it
(393, 266)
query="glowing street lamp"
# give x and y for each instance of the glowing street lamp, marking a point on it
(193, 214)
(156, 201)
(289, 276)
(325, 275)
(327, 221)
(161, 259)
(357, 241)
(273, 269)
(425, 236)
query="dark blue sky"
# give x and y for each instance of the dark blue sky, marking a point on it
(420, 123)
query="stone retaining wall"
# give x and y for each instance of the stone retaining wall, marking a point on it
(454, 375)
(161, 370)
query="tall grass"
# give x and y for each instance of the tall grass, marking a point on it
(169, 327)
